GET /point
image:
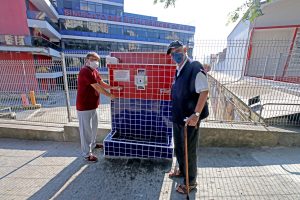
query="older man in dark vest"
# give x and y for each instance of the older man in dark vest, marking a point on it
(189, 95)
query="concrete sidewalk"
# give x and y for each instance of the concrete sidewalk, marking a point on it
(45, 170)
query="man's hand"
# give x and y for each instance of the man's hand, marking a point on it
(112, 97)
(192, 120)
(165, 91)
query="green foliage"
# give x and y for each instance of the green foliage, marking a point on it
(250, 10)
(167, 3)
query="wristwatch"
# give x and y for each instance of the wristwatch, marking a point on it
(197, 114)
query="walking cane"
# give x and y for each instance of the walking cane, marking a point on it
(186, 163)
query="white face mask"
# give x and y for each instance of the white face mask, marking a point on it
(94, 64)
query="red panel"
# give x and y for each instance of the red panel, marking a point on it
(15, 56)
(143, 58)
(158, 77)
(13, 18)
(249, 52)
(290, 52)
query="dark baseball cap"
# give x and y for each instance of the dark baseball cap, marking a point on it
(174, 45)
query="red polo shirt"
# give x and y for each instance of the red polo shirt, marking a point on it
(87, 96)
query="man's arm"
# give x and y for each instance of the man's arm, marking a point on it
(107, 86)
(201, 101)
(201, 87)
(104, 85)
(193, 119)
(101, 90)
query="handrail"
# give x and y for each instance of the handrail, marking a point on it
(6, 108)
(43, 42)
(278, 104)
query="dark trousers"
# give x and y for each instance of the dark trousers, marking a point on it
(192, 137)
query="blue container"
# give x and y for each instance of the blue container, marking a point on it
(140, 129)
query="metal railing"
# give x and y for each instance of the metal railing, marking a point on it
(269, 71)
(242, 88)
(42, 42)
(43, 90)
(287, 116)
(74, 63)
(33, 90)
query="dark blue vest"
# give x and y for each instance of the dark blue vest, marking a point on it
(184, 95)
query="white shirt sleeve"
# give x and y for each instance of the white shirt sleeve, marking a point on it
(201, 83)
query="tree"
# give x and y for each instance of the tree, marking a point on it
(250, 10)
(168, 3)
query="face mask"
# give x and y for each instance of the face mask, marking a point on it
(178, 57)
(94, 64)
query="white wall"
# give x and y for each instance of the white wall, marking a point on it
(279, 13)
(240, 31)
(268, 46)
(237, 45)
(266, 42)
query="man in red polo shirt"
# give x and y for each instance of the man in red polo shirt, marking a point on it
(90, 85)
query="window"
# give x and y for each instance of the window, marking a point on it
(76, 25)
(162, 35)
(104, 46)
(153, 34)
(76, 5)
(93, 26)
(112, 10)
(68, 4)
(91, 7)
(115, 29)
(129, 31)
(61, 23)
(103, 27)
(114, 46)
(83, 6)
(119, 12)
(142, 32)
(172, 36)
(132, 47)
(92, 45)
(72, 24)
(105, 9)
(121, 47)
(99, 8)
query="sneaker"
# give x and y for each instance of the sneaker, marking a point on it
(91, 158)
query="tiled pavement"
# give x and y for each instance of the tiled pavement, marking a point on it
(45, 170)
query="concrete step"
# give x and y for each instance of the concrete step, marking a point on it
(46, 131)
(242, 135)
(211, 134)
(30, 131)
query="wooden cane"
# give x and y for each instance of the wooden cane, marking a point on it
(187, 182)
